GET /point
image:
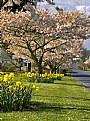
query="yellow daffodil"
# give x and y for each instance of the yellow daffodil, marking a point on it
(33, 74)
(18, 83)
(10, 87)
(34, 86)
(2, 73)
(61, 75)
(11, 76)
(1, 78)
(6, 77)
(9, 82)
(28, 74)
(37, 88)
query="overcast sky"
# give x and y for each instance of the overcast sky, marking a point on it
(81, 3)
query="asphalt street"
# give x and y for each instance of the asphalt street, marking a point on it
(81, 76)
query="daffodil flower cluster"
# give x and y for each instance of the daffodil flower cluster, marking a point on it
(51, 75)
(15, 95)
(45, 78)
(49, 78)
(2, 73)
(29, 74)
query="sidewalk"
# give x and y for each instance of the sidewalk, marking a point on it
(81, 76)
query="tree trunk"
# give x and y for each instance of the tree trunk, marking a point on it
(53, 70)
(20, 68)
(39, 68)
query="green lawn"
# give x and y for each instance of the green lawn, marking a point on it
(65, 100)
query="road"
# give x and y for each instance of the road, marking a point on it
(81, 76)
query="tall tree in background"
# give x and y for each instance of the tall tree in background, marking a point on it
(85, 54)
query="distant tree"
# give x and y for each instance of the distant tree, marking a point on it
(14, 5)
(85, 54)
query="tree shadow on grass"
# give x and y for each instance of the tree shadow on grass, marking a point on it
(41, 106)
(80, 85)
(52, 107)
(67, 97)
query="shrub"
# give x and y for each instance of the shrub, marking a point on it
(14, 94)
(66, 72)
(43, 78)
(52, 76)
(9, 67)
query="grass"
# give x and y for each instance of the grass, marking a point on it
(65, 100)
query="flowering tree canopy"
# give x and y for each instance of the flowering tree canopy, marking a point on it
(42, 35)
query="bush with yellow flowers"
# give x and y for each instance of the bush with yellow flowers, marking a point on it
(30, 76)
(14, 95)
(49, 78)
(43, 78)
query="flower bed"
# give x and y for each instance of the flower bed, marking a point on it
(15, 95)
(43, 78)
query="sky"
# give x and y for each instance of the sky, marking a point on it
(80, 5)
(87, 44)
(71, 5)
(81, 2)
(83, 5)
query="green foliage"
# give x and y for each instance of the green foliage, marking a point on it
(14, 94)
(45, 80)
(66, 72)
